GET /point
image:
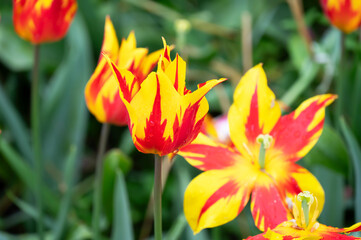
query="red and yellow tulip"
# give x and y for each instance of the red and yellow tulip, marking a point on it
(304, 225)
(343, 14)
(262, 164)
(40, 21)
(164, 115)
(102, 91)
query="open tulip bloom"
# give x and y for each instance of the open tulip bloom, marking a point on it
(163, 114)
(41, 21)
(262, 164)
(343, 14)
(102, 91)
(304, 225)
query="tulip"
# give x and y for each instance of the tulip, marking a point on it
(40, 21)
(343, 14)
(304, 224)
(102, 91)
(262, 163)
(163, 114)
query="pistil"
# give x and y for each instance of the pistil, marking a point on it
(265, 141)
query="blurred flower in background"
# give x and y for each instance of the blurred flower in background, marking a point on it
(164, 114)
(262, 164)
(102, 91)
(40, 21)
(304, 223)
(343, 14)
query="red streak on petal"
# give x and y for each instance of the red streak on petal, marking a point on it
(226, 191)
(268, 204)
(176, 74)
(99, 82)
(213, 157)
(127, 94)
(115, 111)
(252, 127)
(291, 135)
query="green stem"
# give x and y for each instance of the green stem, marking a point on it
(97, 198)
(305, 211)
(262, 155)
(157, 197)
(35, 126)
(340, 80)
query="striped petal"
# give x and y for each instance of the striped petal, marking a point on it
(40, 21)
(296, 133)
(205, 154)
(267, 204)
(254, 111)
(216, 197)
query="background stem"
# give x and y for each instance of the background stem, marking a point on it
(98, 180)
(35, 127)
(157, 197)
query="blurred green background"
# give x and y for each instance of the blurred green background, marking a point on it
(213, 49)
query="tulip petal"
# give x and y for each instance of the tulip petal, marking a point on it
(205, 154)
(216, 197)
(267, 204)
(302, 128)
(254, 111)
(110, 41)
(176, 72)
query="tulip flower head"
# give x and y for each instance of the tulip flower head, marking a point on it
(304, 224)
(102, 91)
(262, 163)
(163, 114)
(40, 21)
(343, 14)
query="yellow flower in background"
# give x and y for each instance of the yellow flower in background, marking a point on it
(40, 21)
(164, 114)
(343, 14)
(304, 225)
(102, 91)
(262, 163)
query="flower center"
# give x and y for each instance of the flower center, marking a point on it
(265, 141)
(304, 218)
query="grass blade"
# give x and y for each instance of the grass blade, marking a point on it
(355, 153)
(122, 223)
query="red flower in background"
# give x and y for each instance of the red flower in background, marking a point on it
(40, 21)
(343, 14)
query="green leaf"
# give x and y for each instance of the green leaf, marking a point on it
(330, 151)
(16, 54)
(122, 223)
(26, 174)
(355, 152)
(177, 228)
(114, 161)
(70, 166)
(16, 125)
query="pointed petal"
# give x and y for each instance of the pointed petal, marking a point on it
(296, 133)
(196, 97)
(253, 112)
(110, 41)
(267, 205)
(216, 197)
(205, 154)
(176, 71)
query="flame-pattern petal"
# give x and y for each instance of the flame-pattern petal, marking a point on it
(40, 21)
(161, 117)
(102, 90)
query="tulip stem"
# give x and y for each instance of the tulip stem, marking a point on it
(157, 197)
(35, 127)
(97, 197)
(340, 79)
